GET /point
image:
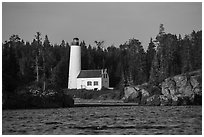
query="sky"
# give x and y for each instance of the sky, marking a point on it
(113, 23)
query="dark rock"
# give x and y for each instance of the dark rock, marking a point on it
(153, 100)
(165, 101)
(155, 90)
(198, 99)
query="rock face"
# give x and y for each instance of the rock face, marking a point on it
(183, 89)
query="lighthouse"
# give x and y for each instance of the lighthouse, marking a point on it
(74, 63)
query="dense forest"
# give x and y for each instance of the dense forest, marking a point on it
(42, 63)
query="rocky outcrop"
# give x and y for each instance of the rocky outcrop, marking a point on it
(185, 89)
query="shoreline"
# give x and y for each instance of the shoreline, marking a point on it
(104, 104)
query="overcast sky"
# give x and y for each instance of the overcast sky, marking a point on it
(115, 23)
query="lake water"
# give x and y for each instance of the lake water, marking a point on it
(105, 120)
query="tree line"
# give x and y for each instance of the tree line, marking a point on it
(46, 65)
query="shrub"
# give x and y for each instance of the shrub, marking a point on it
(25, 99)
(93, 94)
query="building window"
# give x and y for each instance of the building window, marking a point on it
(89, 83)
(95, 83)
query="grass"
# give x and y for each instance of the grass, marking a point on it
(104, 94)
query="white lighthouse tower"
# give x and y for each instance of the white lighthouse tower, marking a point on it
(74, 64)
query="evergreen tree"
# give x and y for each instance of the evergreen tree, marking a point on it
(150, 56)
(186, 55)
(37, 54)
(10, 65)
(46, 61)
(196, 50)
(63, 43)
(155, 73)
(134, 63)
(167, 54)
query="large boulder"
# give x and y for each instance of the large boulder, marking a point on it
(135, 94)
(145, 95)
(130, 91)
(130, 94)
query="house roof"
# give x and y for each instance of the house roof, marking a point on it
(90, 73)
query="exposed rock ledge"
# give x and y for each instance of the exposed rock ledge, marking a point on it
(184, 89)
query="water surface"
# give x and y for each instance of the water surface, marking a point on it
(105, 120)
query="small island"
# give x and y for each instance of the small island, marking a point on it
(42, 75)
(111, 68)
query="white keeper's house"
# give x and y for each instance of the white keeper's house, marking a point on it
(84, 79)
(93, 79)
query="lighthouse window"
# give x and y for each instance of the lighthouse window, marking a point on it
(89, 83)
(95, 83)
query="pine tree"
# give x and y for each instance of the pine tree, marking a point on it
(196, 50)
(186, 60)
(155, 73)
(10, 65)
(150, 56)
(45, 64)
(63, 43)
(37, 54)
